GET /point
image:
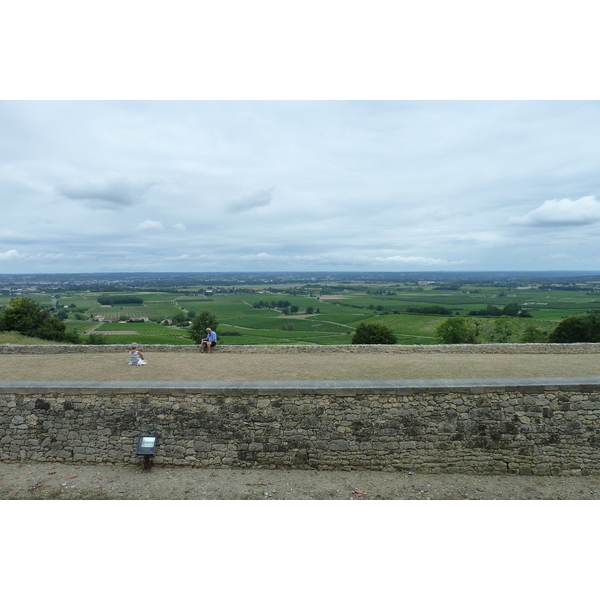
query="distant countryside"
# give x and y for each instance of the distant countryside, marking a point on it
(307, 308)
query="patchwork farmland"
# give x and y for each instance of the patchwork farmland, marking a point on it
(315, 313)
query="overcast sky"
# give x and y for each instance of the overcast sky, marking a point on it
(299, 185)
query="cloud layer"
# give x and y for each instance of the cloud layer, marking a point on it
(209, 186)
(112, 190)
(251, 200)
(557, 213)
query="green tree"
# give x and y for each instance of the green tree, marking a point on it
(374, 333)
(503, 330)
(457, 330)
(533, 335)
(26, 316)
(71, 336)
(95, 339)
(201, 322)
(511, 309)
(22, 315)
(180, 318)
(576, 329)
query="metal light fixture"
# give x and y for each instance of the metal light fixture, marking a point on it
(146, 447)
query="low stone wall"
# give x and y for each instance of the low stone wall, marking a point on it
(583, 348)
(530, 426)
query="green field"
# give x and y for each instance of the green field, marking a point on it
(332, 320)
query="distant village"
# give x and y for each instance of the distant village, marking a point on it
(104, 319)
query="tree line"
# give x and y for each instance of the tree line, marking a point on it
(572, 330)
(105, 299)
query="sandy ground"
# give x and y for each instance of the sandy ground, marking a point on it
(29, 481)
(169, 366)
(67, 481)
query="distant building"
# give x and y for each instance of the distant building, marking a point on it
(105, 319)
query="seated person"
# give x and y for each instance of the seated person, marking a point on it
(135, 356)
(209, 341)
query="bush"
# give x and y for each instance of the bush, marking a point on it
(72, 337)
(533, 335)
(503, 330)
(27, 317)
(374, 333)
(200, 323)
(576, 329)
(457, 330)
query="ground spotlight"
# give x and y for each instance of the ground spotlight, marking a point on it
(146, 447)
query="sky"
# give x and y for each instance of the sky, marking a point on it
(111, 186)
(253, 137)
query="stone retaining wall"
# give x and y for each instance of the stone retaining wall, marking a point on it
(583, 348)
(529, 426)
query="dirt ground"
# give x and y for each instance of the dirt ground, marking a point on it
(22, 481)
(52, 481)
(170, 366)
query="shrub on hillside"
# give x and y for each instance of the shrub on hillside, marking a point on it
(27, 317)
(374, 333)
(576, 329)
(457, 330)
(200, 323)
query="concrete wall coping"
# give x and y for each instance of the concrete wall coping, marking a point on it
(337, 387)
(576, 348)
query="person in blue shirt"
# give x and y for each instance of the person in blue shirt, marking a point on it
(209, 341)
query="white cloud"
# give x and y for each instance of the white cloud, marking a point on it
(251, 200)
(285, 259)
(11, 255)
(564, 212)
(346, 260)
(180, 257)
(259, 256)
(179, 227)
(415, 260)
(112, 190)
(486, 237)
(150, 226)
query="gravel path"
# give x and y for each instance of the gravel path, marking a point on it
(28, 481)
(169, 366)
